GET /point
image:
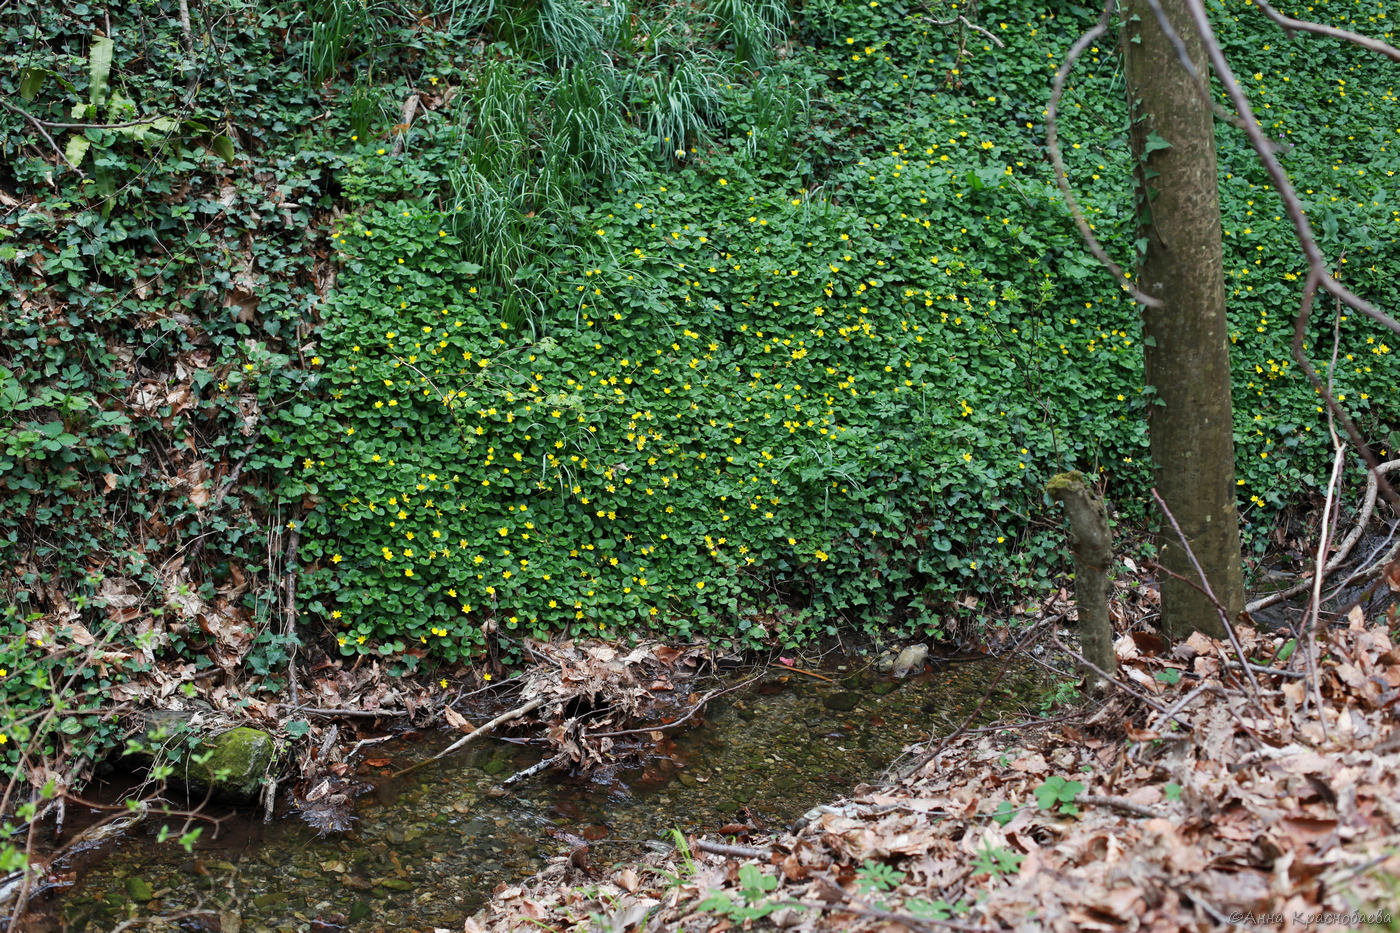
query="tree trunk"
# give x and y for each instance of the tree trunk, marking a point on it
(1190, 420)
(1092, 545)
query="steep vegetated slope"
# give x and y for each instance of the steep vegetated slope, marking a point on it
(560, 317)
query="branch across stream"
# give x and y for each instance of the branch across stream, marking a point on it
(428, 846)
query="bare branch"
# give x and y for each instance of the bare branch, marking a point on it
(39, 125)
(731, 851)
(676, 722)
(1300, 333)
(1279, 178)
(1052, 143)
(1291, 25)
(976, 28)
(1205, 585)
(1368, 505)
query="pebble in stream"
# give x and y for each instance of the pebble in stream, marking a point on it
(428, 851)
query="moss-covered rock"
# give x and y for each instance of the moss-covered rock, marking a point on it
(139, 889)
(231, 764)
(205, 753)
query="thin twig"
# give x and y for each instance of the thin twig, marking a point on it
(1368, 505)
(800, 670)
(1180, 705)
(237, 468)
(676, 722)
(1300, 328)
(1205, 584)
(1325, 532)
(1272, 671)
(1110, 680)
(38, 125)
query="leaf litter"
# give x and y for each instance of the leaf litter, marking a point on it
(1192, 802)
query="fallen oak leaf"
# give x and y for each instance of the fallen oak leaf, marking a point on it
(456, 720)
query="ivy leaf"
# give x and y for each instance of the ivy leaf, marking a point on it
(31, 81)
(1154, 143)
(223, 148)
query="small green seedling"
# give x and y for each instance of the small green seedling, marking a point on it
(1057, 793)
(995, 860)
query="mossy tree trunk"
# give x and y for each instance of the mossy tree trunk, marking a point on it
(1092, 546)
(1187, 358)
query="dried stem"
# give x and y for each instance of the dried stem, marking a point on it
(1205, 585)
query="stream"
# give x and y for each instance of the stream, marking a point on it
(427, 848)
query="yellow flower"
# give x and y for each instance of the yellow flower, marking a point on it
(336, 558)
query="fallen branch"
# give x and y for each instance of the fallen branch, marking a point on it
(531, 771)
(346, 713)
(1368, 506)
(671, 725)
(732, 851)
(477, 733)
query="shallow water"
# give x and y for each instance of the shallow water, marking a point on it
(428, 847)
